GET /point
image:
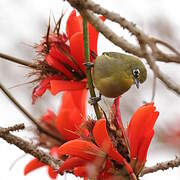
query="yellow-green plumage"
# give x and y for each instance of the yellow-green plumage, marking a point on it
(113, 73)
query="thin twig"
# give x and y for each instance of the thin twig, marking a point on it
(153, 88)
(29, 148)
(88, 70)
(20, 107)
(162, 166)
(15, 161)
(158, 41)
(17, 60)
(47, 36)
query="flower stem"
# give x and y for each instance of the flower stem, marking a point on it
(88, 70)
(39, 126)
(17, 60)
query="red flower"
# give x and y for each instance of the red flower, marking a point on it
(97, 159)
(89, 160)
(140, 133)
(35, 164)
(72, 114)
(62, 68)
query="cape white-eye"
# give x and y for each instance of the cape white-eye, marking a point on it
(114, 73)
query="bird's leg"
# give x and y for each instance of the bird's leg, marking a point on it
(94, 100)
(89, 65)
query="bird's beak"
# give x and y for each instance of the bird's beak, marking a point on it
(136, 80)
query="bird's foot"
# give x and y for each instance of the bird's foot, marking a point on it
(89, 65)
(94, 100)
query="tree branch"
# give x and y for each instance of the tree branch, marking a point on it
(29, 148)
(162, 166)
(17, 60)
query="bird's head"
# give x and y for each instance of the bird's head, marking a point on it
(131, 69)
(137, 71)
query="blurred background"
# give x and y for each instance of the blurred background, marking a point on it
(24, 22)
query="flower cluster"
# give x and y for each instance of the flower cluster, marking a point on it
(62, 65)
(100, 153)
(94, 149)
(67, 124)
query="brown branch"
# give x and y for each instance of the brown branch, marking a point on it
(29, 148)
(165, 79)
(162, 166)
(29, 116)
(17, 60)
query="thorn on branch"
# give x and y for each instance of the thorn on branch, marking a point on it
(16, 127)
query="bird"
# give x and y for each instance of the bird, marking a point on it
(114, 73)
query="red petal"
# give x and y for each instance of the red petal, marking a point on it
(142, 153)
(104, 142)
(106, 176)
(82, 149)
(142, 122)
(81, 171)
(65, 126)
(77, 49)
(117, 119)
(52, 173)
(79, 99)
(71, 163)
(57, 65)
(42, 87)
(60, 85)
(33, 165)
(48, 117)
(74, 24)
(71, 114)
(117, 113)
(105, 173)
(58, 52)
(93, 36)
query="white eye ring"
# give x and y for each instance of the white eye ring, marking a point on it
(136, 73)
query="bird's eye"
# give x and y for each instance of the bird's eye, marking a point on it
(136, 73)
